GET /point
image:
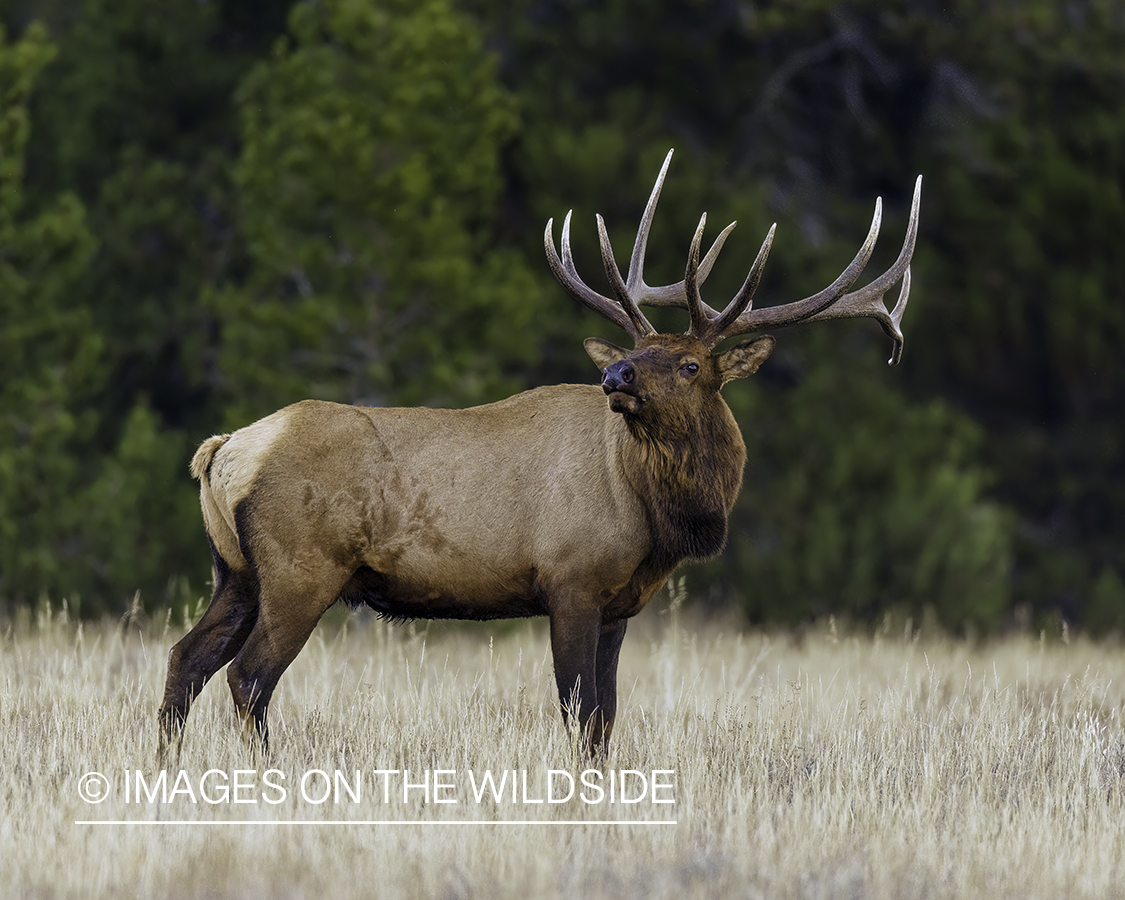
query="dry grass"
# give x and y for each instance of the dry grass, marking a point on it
(817, 767)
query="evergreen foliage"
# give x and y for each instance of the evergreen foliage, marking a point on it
(49, 354)
(208, 211)
(858, 503)
(368, 177)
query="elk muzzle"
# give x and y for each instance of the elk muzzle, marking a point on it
(619, 383)
(618, 377)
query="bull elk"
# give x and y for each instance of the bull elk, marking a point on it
(571, 501)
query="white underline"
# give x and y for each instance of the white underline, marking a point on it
(393, 822)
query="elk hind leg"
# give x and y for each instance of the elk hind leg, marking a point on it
(285, 622)
(212, 643)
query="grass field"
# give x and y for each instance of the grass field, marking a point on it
(820, 765)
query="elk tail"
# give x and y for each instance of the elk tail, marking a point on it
(201, 462)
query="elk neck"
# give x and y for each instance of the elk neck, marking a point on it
(688, 474)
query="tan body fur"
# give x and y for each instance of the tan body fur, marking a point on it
(457, 511)
(566, 501)
(546, 503)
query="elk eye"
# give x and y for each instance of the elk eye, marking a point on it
(690, 369)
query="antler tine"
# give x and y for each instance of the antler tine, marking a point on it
(745, 296)
(567, 275)
(739, 318)
(620, 289)
(699, 318)
(868, 301)
(676, 294)
(637, 260)
(803, 310)
(633, 291)
(874, 308)
(669, 294)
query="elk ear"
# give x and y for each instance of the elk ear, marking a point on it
(603, 353)
(743, 360)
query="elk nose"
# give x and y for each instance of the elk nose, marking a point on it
(617, 376)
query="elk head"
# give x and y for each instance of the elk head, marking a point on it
(639, 381)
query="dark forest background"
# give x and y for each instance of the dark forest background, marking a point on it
(211, 208)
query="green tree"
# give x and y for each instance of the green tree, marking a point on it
(373, 181)
(49, 356)
(857, 502)
(76, 520)
(135, 116)
(355, 222)
(368, 184)
(1029, 287)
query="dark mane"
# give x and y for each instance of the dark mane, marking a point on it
(689, 484)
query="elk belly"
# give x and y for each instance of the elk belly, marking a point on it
(451, 597)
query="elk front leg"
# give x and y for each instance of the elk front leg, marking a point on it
(574, 648)
(609, 649)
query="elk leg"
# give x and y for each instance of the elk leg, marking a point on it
(609, 649)
(574, 649)
(284, 625)
(209, 646)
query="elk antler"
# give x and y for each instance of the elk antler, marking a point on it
(631, 291)
(830, 303)
(711, 326)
